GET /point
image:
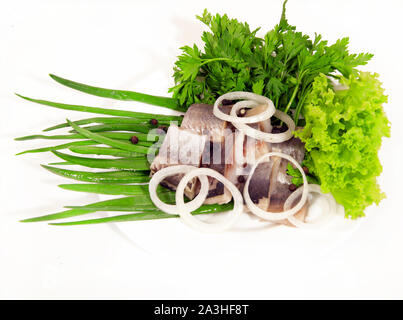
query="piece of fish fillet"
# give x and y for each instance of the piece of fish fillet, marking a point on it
(216, 144)
(180, 146)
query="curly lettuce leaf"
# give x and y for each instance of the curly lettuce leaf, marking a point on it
(342, 136)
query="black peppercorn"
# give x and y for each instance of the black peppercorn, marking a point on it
(281, 129)
(241, 179)
(134, 140)
(226, 102)
(306, 170)
(292, 187)
(241, 112)
(154, 122)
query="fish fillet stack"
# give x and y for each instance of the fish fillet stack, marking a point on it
(203, 140)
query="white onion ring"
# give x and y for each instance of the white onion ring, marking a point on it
(244, 95)
(313, 188)
(275, 216)
(260, 135)
(185, 212)
(169, 171)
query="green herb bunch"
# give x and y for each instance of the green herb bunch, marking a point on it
(281, 66)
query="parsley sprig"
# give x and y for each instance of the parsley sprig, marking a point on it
(281, 66)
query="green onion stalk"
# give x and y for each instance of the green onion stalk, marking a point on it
(120, 134)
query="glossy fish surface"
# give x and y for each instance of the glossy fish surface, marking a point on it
(203, 140)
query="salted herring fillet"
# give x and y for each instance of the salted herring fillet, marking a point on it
(203, 140)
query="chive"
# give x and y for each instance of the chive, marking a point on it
(60, 215)
(134, 203)
(62, 163)
(120, 94)
(102, 177)
(120, 163)
(112, 135)
(124, 202)
(138, 208)
(54, 137)
(108, 141)
(110, 120)
(141, 203)
(113, 112)
(142, 207)
(141, 216)
(61, 146)
(115, 189)
(142, 143)
(117, 127)
(127, 135)
(104, 151)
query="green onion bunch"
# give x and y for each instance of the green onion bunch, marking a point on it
(123, 137)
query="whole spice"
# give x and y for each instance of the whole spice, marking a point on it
(292, 187)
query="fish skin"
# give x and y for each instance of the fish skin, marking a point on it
(282, 181)
(200, 118)
(176, 147)
(216, 154)
(217, 192)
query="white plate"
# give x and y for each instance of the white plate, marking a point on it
(172, 237)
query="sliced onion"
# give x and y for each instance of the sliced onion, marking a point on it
(255, 98)
(169, 171)
(275, 216)
(326, 214)
(185, 211)
(260, 135)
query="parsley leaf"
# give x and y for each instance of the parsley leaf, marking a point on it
(281, 66)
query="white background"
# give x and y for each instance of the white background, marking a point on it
(133, 45)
